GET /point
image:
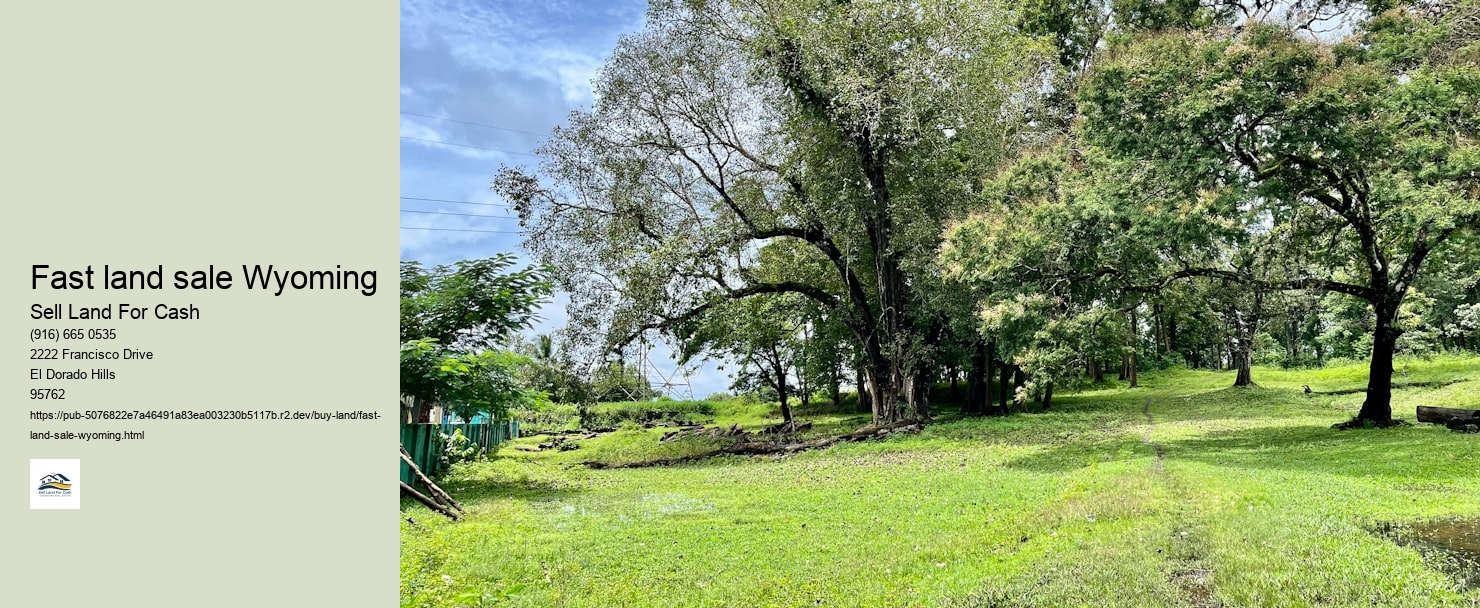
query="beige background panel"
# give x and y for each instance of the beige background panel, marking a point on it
(188, 134)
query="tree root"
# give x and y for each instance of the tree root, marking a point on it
(1359, 423)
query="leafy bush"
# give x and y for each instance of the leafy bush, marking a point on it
(458, 448)
(554, 417)
(611, 415)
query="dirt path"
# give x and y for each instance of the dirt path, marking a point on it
(1146, 438)
(1190, 573)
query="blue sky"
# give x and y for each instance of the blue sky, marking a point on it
(521, 66)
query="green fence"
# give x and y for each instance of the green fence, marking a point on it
(424, 442)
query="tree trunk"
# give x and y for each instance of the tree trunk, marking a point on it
(803, 388)
(883, 399)
(955, 390)
(972, 404)
(425, 500)
(976, 393)
(919, 376)
(835, 381)
(1245, 377)
(1003, 384)
(986, 377)
(895, 326)
(1161, 335)
(413, 413)
(781, 393)
(1292, 352)
(1244, 357)
(1048, 396)
(435, 490)
(1096, 373)
(879, 380)
(1132, 370)
(1018, 380)
(1378, 408)
(1135, 346)
(1171, 332)
(919, 394)
(865, 403)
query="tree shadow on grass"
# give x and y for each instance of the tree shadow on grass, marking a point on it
(1413, 453)
(1245, 403)
(1074, 455)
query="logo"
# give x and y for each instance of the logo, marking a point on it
(56, 482)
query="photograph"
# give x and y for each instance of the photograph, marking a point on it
(936, 303)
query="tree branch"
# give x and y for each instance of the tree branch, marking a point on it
(666, 323)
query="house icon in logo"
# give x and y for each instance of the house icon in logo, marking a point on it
(60, 486)
(55, 481)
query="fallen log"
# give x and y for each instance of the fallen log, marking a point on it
(760, 448)
(787, 428)
(555, 442)
(578, 432)
(423, 499)
(1448, 416)
(690, 431)
(441, 496)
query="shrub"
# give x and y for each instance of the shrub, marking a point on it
(559, 417)
(555, 417)
(606, 415)
(458, 448)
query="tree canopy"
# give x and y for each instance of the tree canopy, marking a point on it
(727, 125)
(453, 321)
(1037, 188)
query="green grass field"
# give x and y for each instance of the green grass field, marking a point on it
(1183, 492)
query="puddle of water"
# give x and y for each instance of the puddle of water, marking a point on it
(648, 507)
(1452, 545)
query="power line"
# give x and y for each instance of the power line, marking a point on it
(443, 200)
(460, 230)
(476, 124)
(457, 214)
(447, 143)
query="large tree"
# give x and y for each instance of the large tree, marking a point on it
(1366, 152)
(845, 127)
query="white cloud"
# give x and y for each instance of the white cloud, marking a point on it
(521, 65)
